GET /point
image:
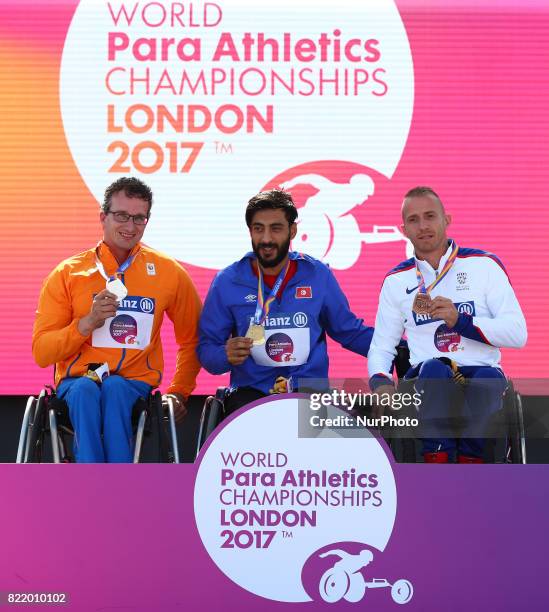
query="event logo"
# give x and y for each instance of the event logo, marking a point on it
(123, 329)
(343, 576)
(295, 516)
(447, 340)
(179, 93)
(280, 347)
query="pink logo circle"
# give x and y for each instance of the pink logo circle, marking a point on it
(446, 340)
(123, 329)
(280, 347)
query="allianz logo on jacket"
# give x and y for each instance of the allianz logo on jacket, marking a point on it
(284, 320)
(462, 308)
(137, 303)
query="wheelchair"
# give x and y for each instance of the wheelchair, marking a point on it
(505, 438)
(213, 413)
(46, 419)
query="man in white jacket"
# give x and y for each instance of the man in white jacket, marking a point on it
(457, 308)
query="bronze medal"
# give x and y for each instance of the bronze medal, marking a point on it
(422, 303)
(256, 333)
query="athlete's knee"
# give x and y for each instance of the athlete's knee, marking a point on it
(83, 399)
(488, 372)
(114, 385)
(82, 387)
(433, 368)
(487, 380)
(118, 398)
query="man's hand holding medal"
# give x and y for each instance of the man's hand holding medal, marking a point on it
(439, 308)
(238, 349)
(104, 306)
(443, 308)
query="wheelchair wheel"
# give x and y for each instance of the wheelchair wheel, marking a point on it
(25, 429)
(211, 416)
(37, 430)
(515, 419)
(357, 588)
(403, 447)
(333, 585)
(402, 591)
(140, 419)
(166, 452)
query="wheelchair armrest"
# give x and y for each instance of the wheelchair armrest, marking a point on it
(401, 362)
(221, 393)
(140, 405)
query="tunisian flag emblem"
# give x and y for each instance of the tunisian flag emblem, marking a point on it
(303, 292)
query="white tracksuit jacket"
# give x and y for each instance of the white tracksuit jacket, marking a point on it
(489, 313)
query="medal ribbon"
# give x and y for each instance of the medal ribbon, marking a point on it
(439, 277)
(121, 268)
(263, 306)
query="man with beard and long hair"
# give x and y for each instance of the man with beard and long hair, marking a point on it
(266, 316)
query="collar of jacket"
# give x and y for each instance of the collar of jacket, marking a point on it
(245, 276)
(108, 259)
(425, 266)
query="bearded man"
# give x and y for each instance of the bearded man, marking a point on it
(266, 317)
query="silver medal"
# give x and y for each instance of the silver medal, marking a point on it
(117, 287)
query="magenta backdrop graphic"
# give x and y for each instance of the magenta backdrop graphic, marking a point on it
(119, 537)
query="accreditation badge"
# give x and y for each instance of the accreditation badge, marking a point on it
(287, 341)
(130, 328)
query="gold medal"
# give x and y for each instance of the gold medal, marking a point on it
(256, 333)
(422, 303)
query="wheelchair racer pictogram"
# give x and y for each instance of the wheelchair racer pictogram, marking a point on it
(344, 579)
(327, 228)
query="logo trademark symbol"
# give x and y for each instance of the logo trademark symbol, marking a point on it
(223, 148)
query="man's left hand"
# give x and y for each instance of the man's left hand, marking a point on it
(179, 407)
(443, 308)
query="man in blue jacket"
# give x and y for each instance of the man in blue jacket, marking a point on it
(266, 316)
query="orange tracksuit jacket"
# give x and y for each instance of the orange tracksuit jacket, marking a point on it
(67, 295)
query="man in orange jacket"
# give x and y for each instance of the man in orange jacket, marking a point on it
(100, 312)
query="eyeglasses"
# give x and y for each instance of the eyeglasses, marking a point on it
(122, 217)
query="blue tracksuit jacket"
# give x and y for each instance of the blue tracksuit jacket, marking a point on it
(311, 306)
